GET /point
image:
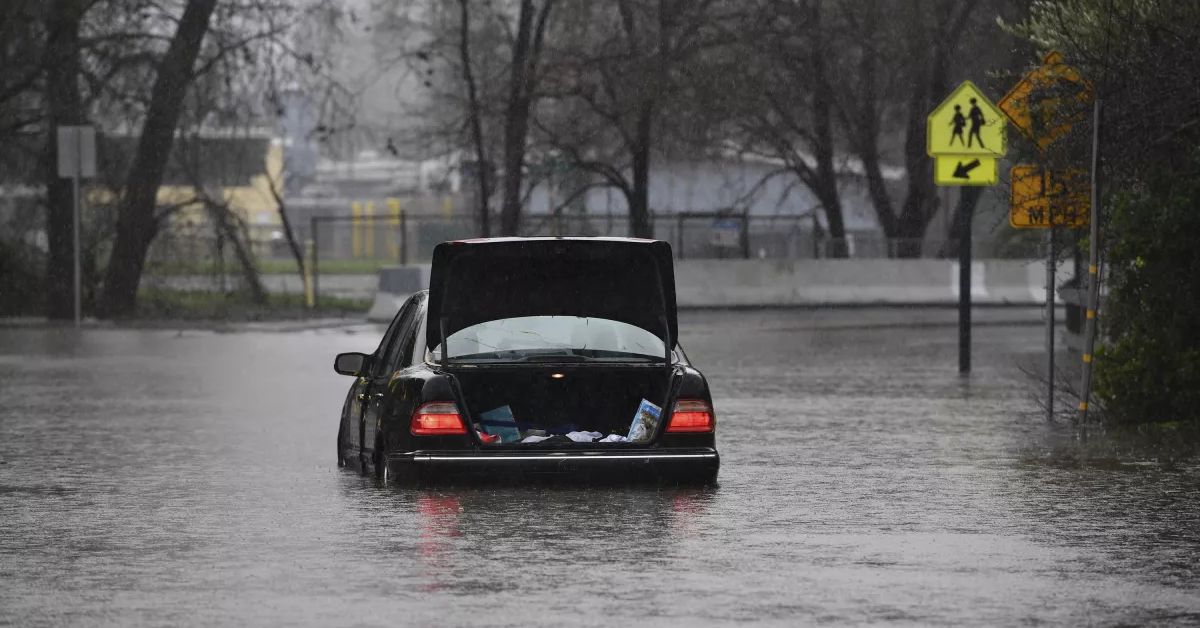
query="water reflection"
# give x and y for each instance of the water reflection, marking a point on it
(437, 520)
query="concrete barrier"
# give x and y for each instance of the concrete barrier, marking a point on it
(853, 282)
(805, 283)
(396, 284)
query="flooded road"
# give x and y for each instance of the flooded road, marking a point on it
(152, 477)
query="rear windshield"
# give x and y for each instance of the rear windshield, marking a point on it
(553, 338)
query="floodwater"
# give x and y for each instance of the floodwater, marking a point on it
(161, 477)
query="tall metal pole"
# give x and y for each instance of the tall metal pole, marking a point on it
(75, 232)
(75, 222)
(1093, 294)
(316, 256)
(1051, 259)
(967, 199)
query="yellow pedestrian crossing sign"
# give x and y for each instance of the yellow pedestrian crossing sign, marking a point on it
(966, 123)
(966, 135)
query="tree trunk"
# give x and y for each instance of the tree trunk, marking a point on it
(516, 120)
(64, 107)
(136, 221)
(640, 225)
(826, 172)
(863, 128)
(910, 225)
(483, 172)
(219, 214)
(288, 233)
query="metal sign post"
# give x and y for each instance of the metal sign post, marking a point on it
(1044, 105)
(966, 137)
(76, 160)
(1051, 262)
(1093, 285)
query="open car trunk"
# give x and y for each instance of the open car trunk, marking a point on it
(557, 403)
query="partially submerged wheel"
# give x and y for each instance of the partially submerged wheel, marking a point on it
(340, 459)
(380, 461)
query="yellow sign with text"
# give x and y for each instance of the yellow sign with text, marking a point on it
(965, 170)
(966, 123)
(1042, 199)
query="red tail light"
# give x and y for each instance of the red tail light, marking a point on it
(437, 419)
(691, 415)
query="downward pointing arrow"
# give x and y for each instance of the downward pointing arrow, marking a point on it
(963, 171)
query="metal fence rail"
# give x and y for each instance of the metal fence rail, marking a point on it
(407, 238)
(362, 242)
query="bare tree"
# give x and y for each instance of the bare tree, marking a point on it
(785, 109)
(483, 172)
(905, 59)
(136, 224)
(22, 43)
(221, 42)
(522, 86)
(64, 106)
(619, 73)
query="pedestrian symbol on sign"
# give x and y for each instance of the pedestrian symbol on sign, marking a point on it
(958, 122)
(977, 123)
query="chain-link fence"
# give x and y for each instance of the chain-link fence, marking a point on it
(403, 239)
(354, 246)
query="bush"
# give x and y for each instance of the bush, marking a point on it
(1149, 369)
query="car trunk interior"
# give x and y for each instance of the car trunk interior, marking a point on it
(559, 400)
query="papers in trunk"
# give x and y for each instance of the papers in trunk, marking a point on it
(499, 426)
(645, 422)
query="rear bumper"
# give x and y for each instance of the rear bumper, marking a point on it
(675, 465)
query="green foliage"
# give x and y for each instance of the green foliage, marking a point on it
(268, 267)
(1150, 369)
(238, 306)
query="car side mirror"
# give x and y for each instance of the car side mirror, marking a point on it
(354, 364)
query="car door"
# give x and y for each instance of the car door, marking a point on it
(395, 355)
(350, 434)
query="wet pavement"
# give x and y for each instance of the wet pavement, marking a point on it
(152, 477)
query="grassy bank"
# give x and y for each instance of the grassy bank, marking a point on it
(238, 306)
(270, 267)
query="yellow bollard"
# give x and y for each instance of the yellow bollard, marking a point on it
(369, 228)
(447, 207)
(394, 241)
(355, 237)
(310, 298)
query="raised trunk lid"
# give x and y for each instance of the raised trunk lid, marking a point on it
(621, 279)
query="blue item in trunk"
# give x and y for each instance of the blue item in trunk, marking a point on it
(500, 422)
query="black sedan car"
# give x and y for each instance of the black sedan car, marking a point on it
(533, 357)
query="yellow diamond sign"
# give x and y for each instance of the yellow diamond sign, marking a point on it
(966, 123)
(1046, 102)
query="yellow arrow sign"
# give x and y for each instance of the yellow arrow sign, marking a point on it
(966, 123)
(965, 170)
(1041, 198)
